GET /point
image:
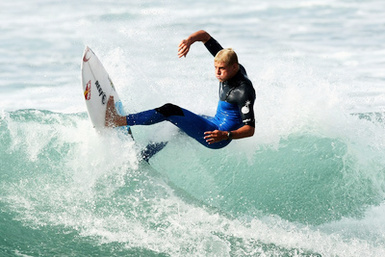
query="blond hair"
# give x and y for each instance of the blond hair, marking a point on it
(227, 56)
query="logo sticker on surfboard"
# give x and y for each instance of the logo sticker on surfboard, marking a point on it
(87, 92)
(101, 92)
(85, 57)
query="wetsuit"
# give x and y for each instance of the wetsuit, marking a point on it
(235, 108)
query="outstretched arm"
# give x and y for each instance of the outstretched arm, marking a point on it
(184, 46)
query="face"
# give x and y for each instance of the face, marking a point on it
(225, 72)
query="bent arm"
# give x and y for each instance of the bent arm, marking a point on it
(184, 46)
(245, 131)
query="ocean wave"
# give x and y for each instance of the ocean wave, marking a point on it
(58, 172)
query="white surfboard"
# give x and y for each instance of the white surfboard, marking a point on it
(97, 88)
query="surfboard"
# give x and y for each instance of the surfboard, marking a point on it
(97, 88)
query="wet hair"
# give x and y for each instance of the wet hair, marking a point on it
(227, 56)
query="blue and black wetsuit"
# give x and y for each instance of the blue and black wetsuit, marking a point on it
(235, 108)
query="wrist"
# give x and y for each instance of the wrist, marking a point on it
(229, 135)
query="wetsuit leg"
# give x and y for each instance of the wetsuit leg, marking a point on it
(145, 118)
(195, 126)
(191, 123)
(154, 116)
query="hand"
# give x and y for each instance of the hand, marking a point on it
(215, 136)
(184, 48)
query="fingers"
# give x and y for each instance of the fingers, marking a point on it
(213, 136)
(183, 48)
(209, 137)
(182, 51)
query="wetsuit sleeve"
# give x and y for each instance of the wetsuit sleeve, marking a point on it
(213, 46)
(246, 105)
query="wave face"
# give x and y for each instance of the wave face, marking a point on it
(307, 177)
(62, 184)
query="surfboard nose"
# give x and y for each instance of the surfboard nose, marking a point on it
(87, 55)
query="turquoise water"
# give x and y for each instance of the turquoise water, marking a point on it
(309, 183)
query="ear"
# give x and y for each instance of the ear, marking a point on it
(235, 67)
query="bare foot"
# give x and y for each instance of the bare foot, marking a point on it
(111, 113)
(113, 119)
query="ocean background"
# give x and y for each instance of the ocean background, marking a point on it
(311, 181)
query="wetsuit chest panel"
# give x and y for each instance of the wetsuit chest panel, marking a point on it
(239, 92)
(227, 117)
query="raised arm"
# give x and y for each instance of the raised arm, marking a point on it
(184, 46)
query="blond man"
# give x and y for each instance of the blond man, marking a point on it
(234, 118)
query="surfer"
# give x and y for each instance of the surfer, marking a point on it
(234, 118)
